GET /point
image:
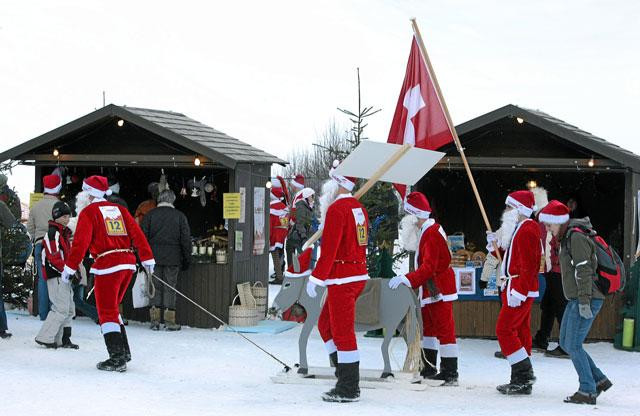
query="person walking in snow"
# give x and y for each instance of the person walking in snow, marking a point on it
(435, 278)
(56, 329)
(112, 237)
(342, 268)
(578, 265)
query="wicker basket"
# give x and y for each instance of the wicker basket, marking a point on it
(260, 294)
(242, 315)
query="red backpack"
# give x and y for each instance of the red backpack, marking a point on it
(610, 273)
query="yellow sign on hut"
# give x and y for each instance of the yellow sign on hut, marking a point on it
(231, 206)
(34, 198)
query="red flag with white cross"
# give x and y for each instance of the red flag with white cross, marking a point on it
(419, 118)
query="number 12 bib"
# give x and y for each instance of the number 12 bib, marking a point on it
(113, 221)
(361, 226)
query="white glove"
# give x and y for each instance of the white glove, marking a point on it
(149, 268)
(491, 238)
(513, 301)
(311, 289)
(65, 276)
(399, 280)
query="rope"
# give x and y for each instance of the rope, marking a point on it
(287, 368)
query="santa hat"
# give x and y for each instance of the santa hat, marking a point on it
(96, 186)
(417, 204)
(277, 193)
(52, 184)
(275, 183)
(301, 265)
(298, 181)
(306, 193)
(554, 213)
(523, 201)
(347, 182)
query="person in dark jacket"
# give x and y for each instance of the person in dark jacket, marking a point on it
(301, 227)
(578, 264)
(167, 230)
(6, 220)
(115, 197)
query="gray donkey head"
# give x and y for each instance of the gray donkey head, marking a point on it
(293, 287)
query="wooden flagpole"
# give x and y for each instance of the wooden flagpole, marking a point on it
(395, 157)
(432, 73)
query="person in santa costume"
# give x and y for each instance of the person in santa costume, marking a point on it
(435, 278)
(112, 237)
(342, 268)
(297, 183)
(278, 229)
(520, 268)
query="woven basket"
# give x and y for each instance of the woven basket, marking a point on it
(260, 294)
(242, 315)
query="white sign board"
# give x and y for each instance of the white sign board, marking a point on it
(367, 158)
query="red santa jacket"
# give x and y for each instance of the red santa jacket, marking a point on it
(433, 262)
(521, 262)
(102, 227)
(55, 248)
(343, 251)
(278, 225)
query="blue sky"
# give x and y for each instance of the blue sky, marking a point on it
(273, 73)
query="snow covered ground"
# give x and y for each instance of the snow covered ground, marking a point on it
(211, 372)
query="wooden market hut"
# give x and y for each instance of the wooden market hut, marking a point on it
(511, 146)
(137, 145)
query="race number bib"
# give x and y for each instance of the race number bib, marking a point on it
(361, 226)
(113, 221)
(284, 221)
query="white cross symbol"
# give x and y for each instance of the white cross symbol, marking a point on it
(413, 102)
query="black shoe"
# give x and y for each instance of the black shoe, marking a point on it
(5, 335)
(556, 353)
(603, 385)
(581, 398)
(347, 388)
(50, 345)
(333, 360)
(514, 389)
(115, 347)
(66, 339)
(499, 354)
(448, 371)
(539, 346)
(522, 379)
(125, 342)
(429, 362)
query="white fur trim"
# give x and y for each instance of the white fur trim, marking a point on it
(150, 262)
(297, 185)
(109, 327)
(330, 346)
(553, 219)
(113, 269)
(517, 356)
(430, 343)
(346, 357)
(317, 281)
(275, 246)
(301, 274)
(345, 280)
(533, 294)
(448, 350)
(69, 270)
(415, 211)
(341, 180)
(94, 191)
(518, 295)
(439, 298)
(524, 210)
(53, 191)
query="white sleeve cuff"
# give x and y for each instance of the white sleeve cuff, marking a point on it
(317, 281)
(69, 270)
(518, 295)
(150, 262)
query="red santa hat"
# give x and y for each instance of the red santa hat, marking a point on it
(555, 212)
(298, 181)
(303, 266)
(96, 186)
(417, 204)
(277, 193)
(347, 182)
(523, 201)
(52, 184)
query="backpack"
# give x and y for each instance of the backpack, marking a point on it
(610, 273)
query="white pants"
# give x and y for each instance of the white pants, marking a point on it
(62, 311)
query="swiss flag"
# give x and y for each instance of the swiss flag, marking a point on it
(419, 118)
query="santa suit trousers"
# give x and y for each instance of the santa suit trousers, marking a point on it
(439, 328)
(337, 321)
(109, 290)
(514, 330)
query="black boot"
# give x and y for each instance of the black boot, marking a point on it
(448, 371)
(115, 347)
(5, 335)
(333, 359)
(430, 363)
(522, 379)
(581, 398)
(347, 388)
(125, 342)
(66, 339)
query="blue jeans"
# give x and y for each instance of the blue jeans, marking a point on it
(86, 308)
(3, 315)
(43, 292)
(573, 331)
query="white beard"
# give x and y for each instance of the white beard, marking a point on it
(505, 232)
(409, 233)
(329, 194)
(82, 201)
